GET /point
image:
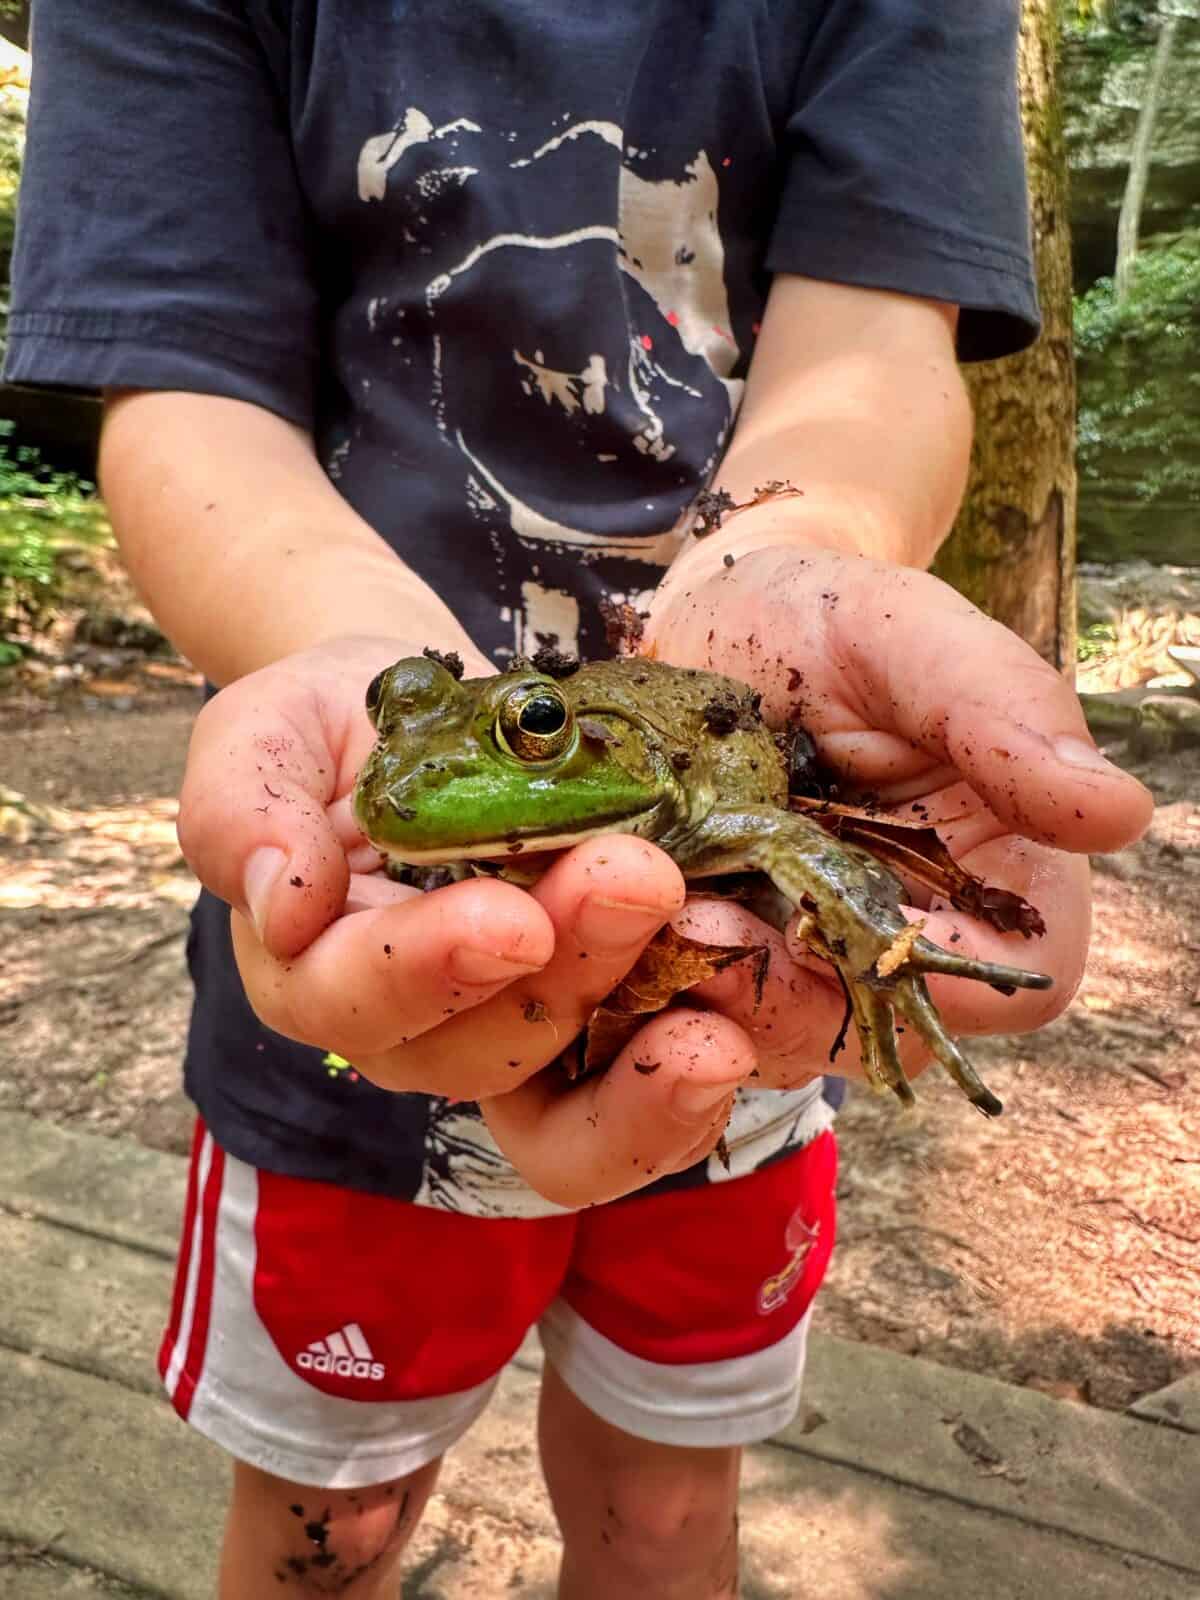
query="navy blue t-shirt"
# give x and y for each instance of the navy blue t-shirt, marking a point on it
(506, 259)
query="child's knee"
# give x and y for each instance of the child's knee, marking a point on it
(337, 1541)
(669, 1529)
(321, 1541)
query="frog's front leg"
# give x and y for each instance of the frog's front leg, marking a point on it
(849, 905)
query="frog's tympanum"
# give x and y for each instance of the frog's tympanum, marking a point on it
(492, 769)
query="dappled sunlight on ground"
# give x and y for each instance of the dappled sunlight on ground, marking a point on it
(111, 856)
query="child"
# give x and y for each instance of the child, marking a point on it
(424, 326)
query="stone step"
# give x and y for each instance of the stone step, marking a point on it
(1093, 1474)
(108, 1480)
(31, 1574)
(900, 1478)
(83, 1302)
(114, 1188)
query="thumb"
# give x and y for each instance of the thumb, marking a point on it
(662, 1104)
(253, 824)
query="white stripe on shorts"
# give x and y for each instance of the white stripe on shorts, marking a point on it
(738, 1401)
(251, 1402)
(195, 1251)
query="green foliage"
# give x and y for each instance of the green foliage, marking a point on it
(42, 513)
(1163, 299)
(1122, 19)
(1139, 389)
(12, 144)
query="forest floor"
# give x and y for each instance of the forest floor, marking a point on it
(1058, 1247)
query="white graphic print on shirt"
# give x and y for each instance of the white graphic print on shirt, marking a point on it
(675, 353)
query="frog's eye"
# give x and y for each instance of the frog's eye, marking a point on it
(534, 723)
(374, 695)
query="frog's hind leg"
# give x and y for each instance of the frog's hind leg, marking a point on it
(850, 912)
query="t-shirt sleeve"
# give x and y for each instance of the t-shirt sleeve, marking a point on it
(162, 240)
(906, 169)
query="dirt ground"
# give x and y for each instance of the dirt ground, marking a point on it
(1057, 1247)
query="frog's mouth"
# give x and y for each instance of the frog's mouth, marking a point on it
(482, 850)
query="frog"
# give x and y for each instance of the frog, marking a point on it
(498, 774)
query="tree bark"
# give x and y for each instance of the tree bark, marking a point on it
(1012, 550)
(1130, 217)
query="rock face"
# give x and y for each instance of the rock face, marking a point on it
(1139, 379)
(1103, 72)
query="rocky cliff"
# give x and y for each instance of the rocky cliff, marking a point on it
(1103, 74)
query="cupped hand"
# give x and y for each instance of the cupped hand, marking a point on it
(468, 992)
(943, 716)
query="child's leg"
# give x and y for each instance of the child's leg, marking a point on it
(336, 1344)
(301, 1541)
(678, 1337)
(637, 1518)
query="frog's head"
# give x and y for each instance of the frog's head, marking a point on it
(484, 768)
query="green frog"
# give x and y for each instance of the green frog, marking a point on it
(491, 770)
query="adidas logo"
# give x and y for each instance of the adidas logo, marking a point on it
(347, 1353)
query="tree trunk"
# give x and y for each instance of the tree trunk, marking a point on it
(1012, 551)
(1129, 220)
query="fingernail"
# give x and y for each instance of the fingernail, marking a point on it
(607, 924)
(258, 880)
(692, 1101)
(483, 966)
(1074, 752)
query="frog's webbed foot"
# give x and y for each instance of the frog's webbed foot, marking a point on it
(850, 915)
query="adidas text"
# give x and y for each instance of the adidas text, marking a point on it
(343, 1366)
(345, 1353)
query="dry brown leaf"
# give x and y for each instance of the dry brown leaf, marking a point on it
(669, 965)
(917, 851)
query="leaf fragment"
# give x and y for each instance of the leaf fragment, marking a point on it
(916, 850)
(669, 965)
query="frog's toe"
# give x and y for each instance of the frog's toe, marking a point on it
(926, 956)
(876, 1027)
(911, 998)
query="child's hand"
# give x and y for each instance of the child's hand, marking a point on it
(466, 992)
(916, 697)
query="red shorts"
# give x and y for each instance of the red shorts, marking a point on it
(342, 1339)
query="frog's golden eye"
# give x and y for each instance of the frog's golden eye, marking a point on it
(374, 695)
(534, 723)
